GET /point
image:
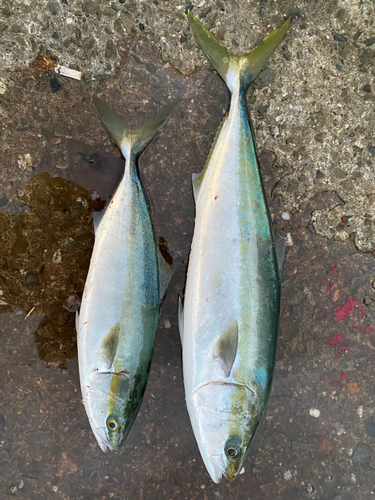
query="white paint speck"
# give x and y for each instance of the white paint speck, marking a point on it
(314, 412)
(288, 475)
(289, 240)
(285, 216)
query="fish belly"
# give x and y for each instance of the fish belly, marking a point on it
(232, 268)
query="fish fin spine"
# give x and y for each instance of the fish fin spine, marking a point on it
(233, 67)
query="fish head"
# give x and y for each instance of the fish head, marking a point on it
(111, 401)
(224, 418)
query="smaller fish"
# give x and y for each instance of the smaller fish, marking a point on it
(121, 302)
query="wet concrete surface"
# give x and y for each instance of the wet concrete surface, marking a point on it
(58, 165)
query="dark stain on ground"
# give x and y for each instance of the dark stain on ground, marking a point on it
(327, 308)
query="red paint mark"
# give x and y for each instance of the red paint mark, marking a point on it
(85, 291)
(358, 328)
(332, 383)
(325, 280)
(342, 312)
(111, 202)
(338, 337)
(339, 383)
(85, 323)
(96, 369)
(369, 329)
(345, 347)
(124, 371)
(208, 298)
(343, 376)
(333, 269)
(336, 356)
(88, 387)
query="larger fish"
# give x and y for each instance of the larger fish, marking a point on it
(231, 309)
(126, 282)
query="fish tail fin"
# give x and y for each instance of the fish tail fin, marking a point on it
(233, 67)
(134, 137)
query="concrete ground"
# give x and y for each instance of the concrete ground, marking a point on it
(313, 114)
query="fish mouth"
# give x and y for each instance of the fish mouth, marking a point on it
(218, 470)
(102, 439)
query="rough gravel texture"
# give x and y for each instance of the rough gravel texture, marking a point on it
(313, 114)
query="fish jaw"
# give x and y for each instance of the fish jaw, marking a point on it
(112, 396)
(101, 437)
(224, 417)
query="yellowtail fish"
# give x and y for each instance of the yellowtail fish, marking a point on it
(121, 302)
(229, 320)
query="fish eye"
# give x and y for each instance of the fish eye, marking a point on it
(112, 423)
(232, 452)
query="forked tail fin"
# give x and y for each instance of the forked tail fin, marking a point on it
(230, 66)
(136, 137)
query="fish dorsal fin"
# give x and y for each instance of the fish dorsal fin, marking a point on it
(165, 274)
(108, 346)
(280, 243)
(198, 178)
(180, 317)
(226, 347)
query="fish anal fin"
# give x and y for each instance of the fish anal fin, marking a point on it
(97, 218)
(280, 243)
(108, 346)
(165, 274)
(77, 322)
(226, 347)
(180, 317)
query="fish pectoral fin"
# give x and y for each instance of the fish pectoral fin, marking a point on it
(108, 346)
(180, 317)
(226, 347)
(280, 243)
(165, 274)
